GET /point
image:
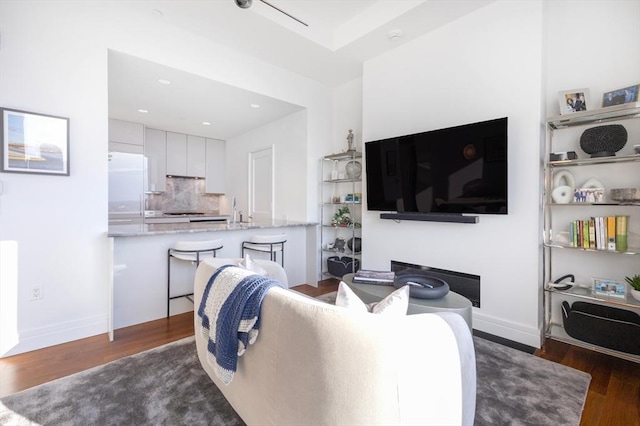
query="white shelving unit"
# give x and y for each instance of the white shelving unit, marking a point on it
(560, 256)
(338, 192)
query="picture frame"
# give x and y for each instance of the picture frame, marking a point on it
(607, 287)
(621, 96)
(34, 143)
(574, 100)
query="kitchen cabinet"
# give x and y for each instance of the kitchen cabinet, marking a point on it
(565, 217)
(155, 151)
(126, 132)
(185, 155)
(215, 166)
(196, 156)
(176, 154)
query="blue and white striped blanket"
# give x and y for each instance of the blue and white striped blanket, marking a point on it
(230, 314)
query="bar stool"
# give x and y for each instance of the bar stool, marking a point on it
(191, 251)
(267, 244)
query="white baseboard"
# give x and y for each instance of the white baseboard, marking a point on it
(529, 336)
(55, 334)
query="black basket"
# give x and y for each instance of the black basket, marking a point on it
(339, 266)
(605, 326)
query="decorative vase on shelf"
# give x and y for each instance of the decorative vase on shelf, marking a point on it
(353, 169)
(334, 171)
(635, 294)
(603, 141)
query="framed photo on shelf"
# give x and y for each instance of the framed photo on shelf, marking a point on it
(625, 95)
(574, 100)
(34, 143)
(606, 287)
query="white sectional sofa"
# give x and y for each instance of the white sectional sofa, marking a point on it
(318, 364)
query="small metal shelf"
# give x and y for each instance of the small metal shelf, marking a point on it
(582, 292)
(616, 112)
(349, 155)
(594, 161)
(341, 180)
(357, 203)
(630, 250)
(556, 332)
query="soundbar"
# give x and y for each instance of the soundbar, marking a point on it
(431, 217)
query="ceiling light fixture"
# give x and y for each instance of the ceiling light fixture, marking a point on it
(254, 106)
(144, 111)
(206, 123)
(246, 4)
(163, 81)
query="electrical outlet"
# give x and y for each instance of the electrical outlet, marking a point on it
(36, 293)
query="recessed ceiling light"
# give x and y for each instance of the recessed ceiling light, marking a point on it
(206, 123)
(163, 81)
(254, 106)
(144, 111)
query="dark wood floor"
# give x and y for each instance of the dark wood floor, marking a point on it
(613, 398)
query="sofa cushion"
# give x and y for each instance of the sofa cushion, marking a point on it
(251, 265)
(396, 303)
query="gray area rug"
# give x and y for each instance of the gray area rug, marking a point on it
(167, 386)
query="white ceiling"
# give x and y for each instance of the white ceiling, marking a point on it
(340, 36)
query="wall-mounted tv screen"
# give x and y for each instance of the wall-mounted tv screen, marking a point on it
(460, 169)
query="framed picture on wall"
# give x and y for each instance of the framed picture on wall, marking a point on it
(625, 95)
(34, 143)
(575, 100)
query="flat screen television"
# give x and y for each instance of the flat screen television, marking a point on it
(456, 170)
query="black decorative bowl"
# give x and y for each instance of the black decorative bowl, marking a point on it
(423, 286)
(603, 141)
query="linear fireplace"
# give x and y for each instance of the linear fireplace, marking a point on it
(467, 285)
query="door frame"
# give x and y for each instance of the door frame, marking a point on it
(271, 150)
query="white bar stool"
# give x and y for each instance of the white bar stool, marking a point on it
(191, 251)
(267, 244)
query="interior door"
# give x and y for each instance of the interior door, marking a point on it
(261, 185)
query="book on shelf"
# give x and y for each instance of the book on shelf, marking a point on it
(599, 233)
(367, 276)
(611, 233)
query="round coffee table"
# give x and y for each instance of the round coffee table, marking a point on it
(452, 302)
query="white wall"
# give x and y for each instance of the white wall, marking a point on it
(485, 65)
(507, 59)
(347, 114)
(605, 56)
(288, 137)
(53, 60)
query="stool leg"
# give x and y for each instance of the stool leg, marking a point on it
(168, 281)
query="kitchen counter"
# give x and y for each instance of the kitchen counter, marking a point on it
(133, 230)
(138, 262)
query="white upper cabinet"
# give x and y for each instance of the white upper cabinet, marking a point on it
(215, 183)
(155, 150)
(126, 132)
(176, 154)
(196, 154)
(185, 155)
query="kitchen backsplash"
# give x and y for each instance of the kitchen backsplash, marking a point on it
(184, 194)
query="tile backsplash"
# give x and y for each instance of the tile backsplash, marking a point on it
(184, 194)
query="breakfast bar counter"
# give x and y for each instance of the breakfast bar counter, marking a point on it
(133, 230)
(139, 255)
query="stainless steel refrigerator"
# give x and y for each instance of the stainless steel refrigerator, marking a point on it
(126, 184)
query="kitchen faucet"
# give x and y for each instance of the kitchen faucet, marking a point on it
(233, 203)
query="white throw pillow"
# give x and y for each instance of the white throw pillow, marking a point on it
(396, 303)
(251, 265)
